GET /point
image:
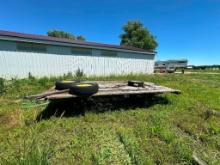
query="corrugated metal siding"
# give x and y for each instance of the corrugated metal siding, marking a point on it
(59, 60)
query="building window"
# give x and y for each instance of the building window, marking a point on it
(81, 51)
(109, 53)
(31, 47)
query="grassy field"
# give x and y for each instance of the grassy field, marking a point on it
(206, 71)
(169, 129)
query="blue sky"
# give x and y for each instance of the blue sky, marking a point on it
(184, 28)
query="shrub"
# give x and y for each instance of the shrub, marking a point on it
(69, 75)
(79, 74)
(2, 86)
(15, 85)
(30, 76)
(44, 81)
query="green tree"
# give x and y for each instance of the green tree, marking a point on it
(60, 34)
(80, 38)
(63, 34)
(135, 34)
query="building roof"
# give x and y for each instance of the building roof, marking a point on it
(167, 61)
(67, 41)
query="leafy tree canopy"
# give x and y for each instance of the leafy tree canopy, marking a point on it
(80, 38)
(63, 34)
(135, 34)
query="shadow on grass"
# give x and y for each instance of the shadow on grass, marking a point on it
(76, 107)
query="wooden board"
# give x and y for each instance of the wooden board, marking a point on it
(111, 88)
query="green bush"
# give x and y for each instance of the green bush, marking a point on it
(30, 76)
(79, 74)
(2, 86)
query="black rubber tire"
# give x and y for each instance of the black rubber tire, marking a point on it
(61, 85)
(84, 88)
(136, 83)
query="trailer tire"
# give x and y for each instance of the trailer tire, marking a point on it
(84, 88)
(61, 85)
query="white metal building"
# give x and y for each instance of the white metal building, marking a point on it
(39, 55)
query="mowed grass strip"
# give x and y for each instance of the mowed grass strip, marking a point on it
(167, 132)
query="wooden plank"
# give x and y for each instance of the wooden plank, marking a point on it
(198, 160)
(48, 93)
(115, 92)
(67, 95)
(110, 88)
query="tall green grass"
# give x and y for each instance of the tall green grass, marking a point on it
(2, 86)
(167, 132)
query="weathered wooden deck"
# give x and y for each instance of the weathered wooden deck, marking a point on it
(108, 88)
